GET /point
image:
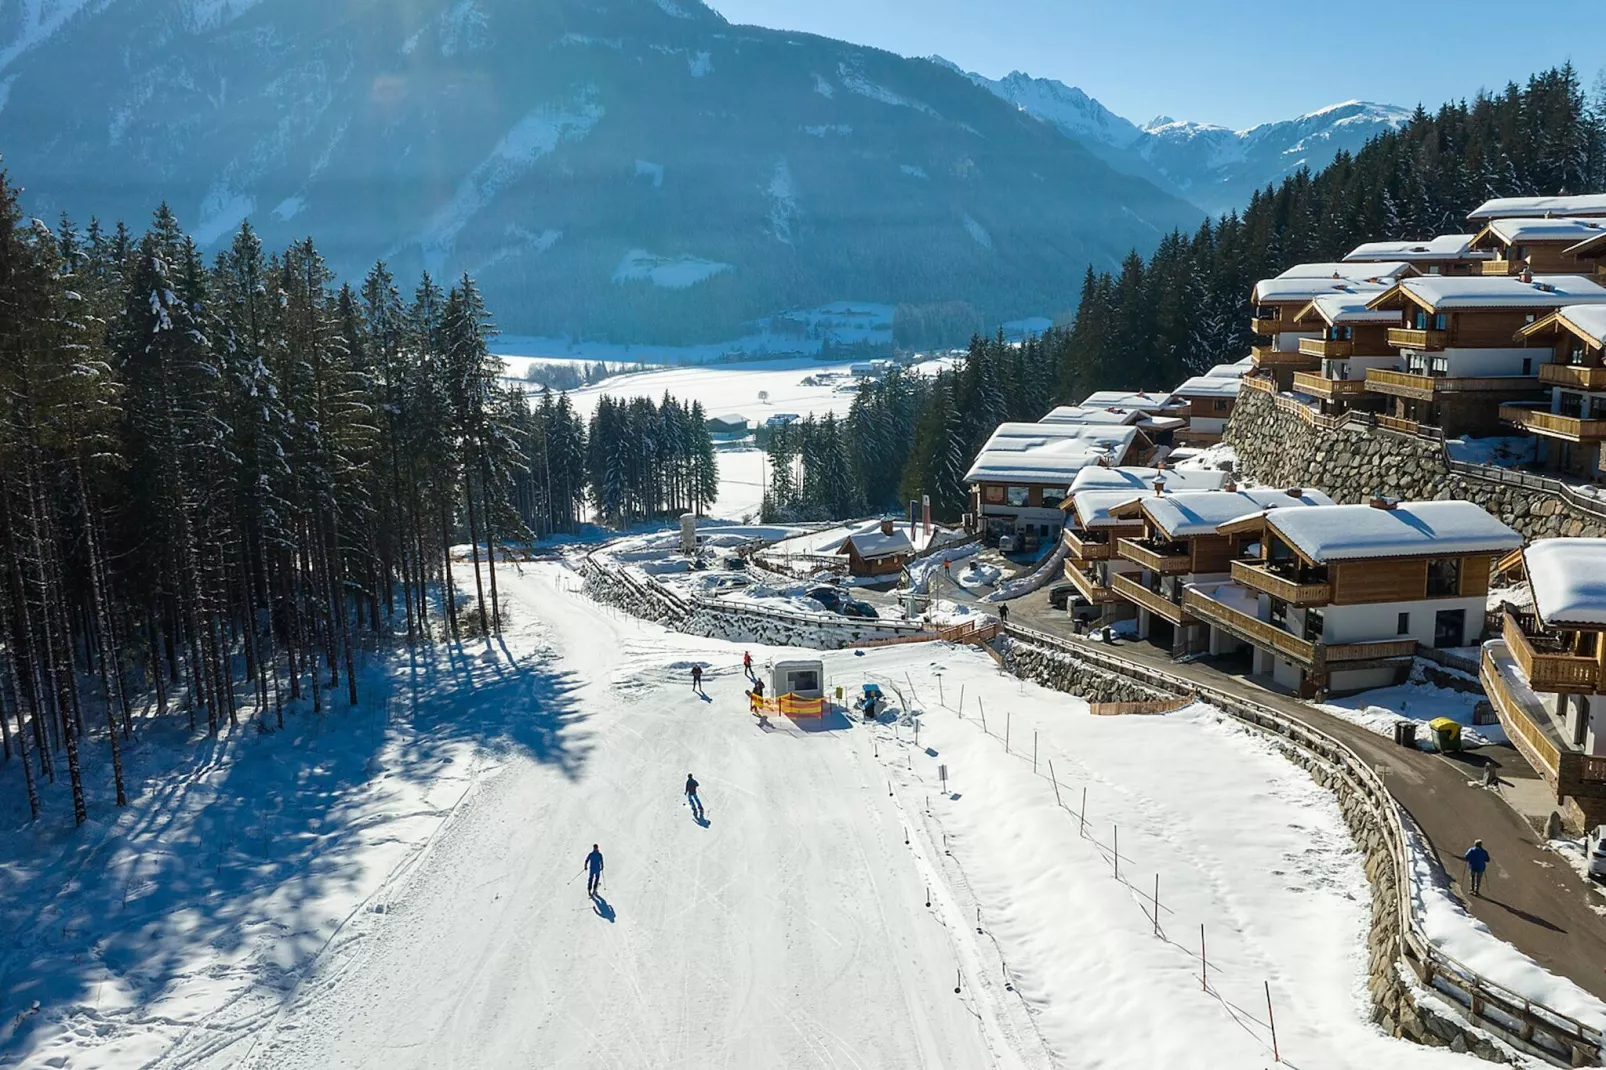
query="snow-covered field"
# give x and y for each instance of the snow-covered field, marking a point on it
(400, 887)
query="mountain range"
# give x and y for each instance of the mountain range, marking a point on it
(628, 170)
(1215, 167)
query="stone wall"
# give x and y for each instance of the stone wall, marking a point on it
(1063, 672)
(1352, 464)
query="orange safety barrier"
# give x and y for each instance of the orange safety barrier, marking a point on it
(788, 705)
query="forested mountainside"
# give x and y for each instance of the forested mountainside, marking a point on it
(244, 468)
(637, 170)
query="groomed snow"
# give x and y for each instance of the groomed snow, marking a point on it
(1349, 532)
(1568, 579)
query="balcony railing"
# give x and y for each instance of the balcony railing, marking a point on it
(1268, 325)
(1255, 382)
(1427, 387)
(1497, 267)
(1252, 629)
(1414, 338)
(1318, 385)
(1569, 772)
(1549, 671)
(1574, 375)
(1263, 579)
(1398, 423)
(1133, 591)
(1152, 559)
(1332, 348)
(1087, 586)
(1375, 650)
(1084, 548)
(1571, 428)
(1267, 357)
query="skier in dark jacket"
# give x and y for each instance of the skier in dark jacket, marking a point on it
(593, 866)
(697, 678)
(691, 796)
(1477, 860)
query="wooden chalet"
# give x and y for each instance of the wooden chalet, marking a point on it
(1339, 598)
(1277, 302)
(1448, 254)
(1545, 674)
(1024, 471)
(1350, 339)
(878, 549)
(1540, 246)
(1569, 424)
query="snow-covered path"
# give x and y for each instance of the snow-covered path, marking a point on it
(788, 932)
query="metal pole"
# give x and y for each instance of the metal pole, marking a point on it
(1117, 852)
(1009, 715)
(1204, 965)
(1157, 904)
(961, 700)
(1056, 781)
(1276, 1056)
(983, 710)
(940, 700)
(1034, 752)
(1082, 828)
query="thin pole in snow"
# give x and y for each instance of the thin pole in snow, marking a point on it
(912, 693)
(1276, 1056)
(889, 789)
(906, 835)
(1204, 965)
(1056, 781)
(1117, 852)
(1009, 715)
(940, 700)
(1034, 752)
(1157, 904)
(928, 896)
(959, 977)
(978, 919)
(917, 733)
(983, 711)
(961, 700)
(945, 844)
(1082, 830)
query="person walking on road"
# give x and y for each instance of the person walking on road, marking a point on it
(1477, 860)
(1003, 613)
(747, 664)
(697, 679)
(691, 797)
(593, 867)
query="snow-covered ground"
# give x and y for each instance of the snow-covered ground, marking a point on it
(741, 485)
(1416, 700)
(400, 887)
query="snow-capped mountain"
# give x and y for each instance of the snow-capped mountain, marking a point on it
(634, 169)
(1215, 167)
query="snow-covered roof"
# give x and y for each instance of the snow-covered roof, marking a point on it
(1291, 290)
(1092, 507)
(870, 541)
(1163, 423)
(1125, 399)
(1587, 320)
(1500, 291)
(1348, 308)
(1369, 271)
(728, 418)
(1232, 371)
(1200, 512)
(1591, 247)
(1444, 247)
(1410, 529)
(1593, 204)
(1097, 490)
(1047, 453)
(1206, 386)
(1531, 230)
(1568, 580)
(1082, 414)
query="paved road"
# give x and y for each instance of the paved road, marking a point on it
(1532, 899)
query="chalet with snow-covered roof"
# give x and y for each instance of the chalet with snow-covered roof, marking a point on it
(1570, 422)
(1587, 204)
(1351, 338)
(1542, 246)
(1276, 304)
(1360, 271)
(1157, 427)
(1207, 402)
(1545, 674)
(1024, 471)
(1091, 532)
(1448, 254)
(1147, 401)
(1339, 598)
(1460, 354)
(1180, 544)
(727, 423)
(1591, 256)
(880, 548)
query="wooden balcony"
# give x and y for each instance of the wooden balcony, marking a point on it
(1079, 546)
(1500, 267)
(1267, 357)
(1567, 771)
(1130, 589)
(1331, 348)
(1154, 560)
(1318, 385)
(1554, 425)
(1261, 578)
(1256, 382)
(1428, 387)
(1087, 586)
(1412, 338)
(1398, 423)
(1315, 657)
(1268, 325)
(1552, 672)
(1576, 376)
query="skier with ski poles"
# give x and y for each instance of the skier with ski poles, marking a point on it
(593, 867)
(691, 797)
(697, 678)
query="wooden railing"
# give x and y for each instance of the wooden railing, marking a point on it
(1133, 591)
(1087, 586)
(1251, 629)
(1550, 423)
(1551, 673)
(1574, 375)
(1136, 552)
(1414, 338)
(1255, 382)
(1263, 579)
(1539, 1029)
(1332, 348)
(1319, 385)
(1399, 423)
(1528, 737)
(1388, 381)
(1267, 357)
(1267, 325)
(1084, 548)
(1496, 267)
(1374, 650)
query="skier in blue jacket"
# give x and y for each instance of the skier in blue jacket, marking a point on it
(1477, 860)
(593, 867)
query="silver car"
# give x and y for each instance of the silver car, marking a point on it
(1596, 844)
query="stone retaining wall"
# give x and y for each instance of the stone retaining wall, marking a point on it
(1353, 464)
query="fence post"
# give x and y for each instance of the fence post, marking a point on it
(1009, 715)
(961, 710)
(983, 711)
(1034, 752)
(1157, 904)
(1056, 781)
(1204, 965)
(1082, 827)
(1276, 1056)
(940, 700)
(1117, 851)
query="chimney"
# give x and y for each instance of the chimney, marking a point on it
(1295, 492)
(1230, 486)
(886, 525)
(1527, 274)
(925, 515)
(1159, 486)
(1384, 503)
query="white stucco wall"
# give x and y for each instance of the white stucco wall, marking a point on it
(1479, 362)
(1379, 621)
(1287, 674)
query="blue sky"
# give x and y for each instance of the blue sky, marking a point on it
(1213, 61)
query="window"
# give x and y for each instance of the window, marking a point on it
(1449, 627)
(1313, 625)
(1421, 321)
(1279, 613)
(1054, 495)
(1441, 321)
(1222, 404)
(1444, 577)
(1403, 626)
(1569, 404)
(995, 494)
(1018, 496)
(1527, 365)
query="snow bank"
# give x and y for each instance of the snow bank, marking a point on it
(1380, 709)
(1050, 568)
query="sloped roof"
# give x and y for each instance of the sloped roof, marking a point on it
(1444, 247)
(1370, 271)
(1500, 291)
(1201, 386)
(1200, 512)
(1568, 580)
(870, 541)
(1126, 399)
(1285, 291)
(1236, 370)
(1047, 453)
(1528, 230)
(1083, 414)
(1410, 529)
(1350, 309)
(1593, 204)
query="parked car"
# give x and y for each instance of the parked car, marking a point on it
(1596, 843)
(730, 583)
(855, 608)
(1060, 594)
(829, 597)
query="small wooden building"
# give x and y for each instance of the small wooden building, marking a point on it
(878, 549)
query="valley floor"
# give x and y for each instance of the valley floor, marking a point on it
(401, 887)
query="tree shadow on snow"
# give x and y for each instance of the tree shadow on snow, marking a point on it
(231, 843)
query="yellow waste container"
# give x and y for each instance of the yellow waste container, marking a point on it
(1446, 733)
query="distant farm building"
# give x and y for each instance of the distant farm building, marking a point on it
(727, 424)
